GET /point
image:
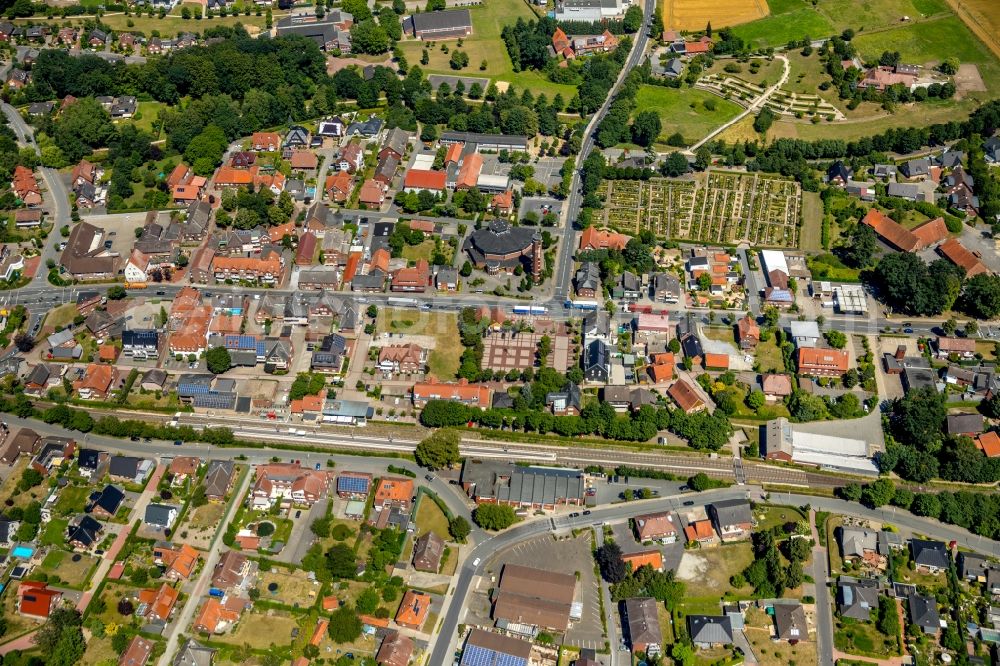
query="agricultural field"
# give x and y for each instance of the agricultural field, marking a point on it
(794, 19)
(691, 112)
(488, 19)
(717, 207)
(982, 18)
(696, 14)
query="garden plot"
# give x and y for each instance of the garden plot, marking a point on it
(717, 207)
(800, 105)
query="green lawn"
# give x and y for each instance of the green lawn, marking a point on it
(430, 518)
(148, 113)
(72, 500)
(769, 357)
(488, 19)
(862, 639)
(55, 532)
(684, 111)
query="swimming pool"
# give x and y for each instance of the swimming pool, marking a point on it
(24, 552)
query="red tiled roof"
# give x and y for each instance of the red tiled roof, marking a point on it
(651, 557)
(828, 360)
(36, 599)
(931, 232)
(468, 174)
(958, 254)
(719, 361)
(392, 489)
(593, 238)
(304, 159)
(699, 529)
(989, 443)
(422, 179)
(685, 396)
(890, 231)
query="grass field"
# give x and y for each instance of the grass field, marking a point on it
(488, 19)
(739, 131)
(862, 639)
(71, 571)
(262, 630)
(170, 25)
(695, 14)
(794, 19)
(55, 532)
(768, 71)
(72, 500)
(769, 357)
(684, 111)
(812, 222)
(789, 20)
(294, 588)
(206, 515)
(927, 42)
(149, 112)
(443, 360)
(430, 518)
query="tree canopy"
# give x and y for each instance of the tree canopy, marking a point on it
(438, 450)
(494, 517)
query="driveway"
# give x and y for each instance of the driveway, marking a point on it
(301, 537)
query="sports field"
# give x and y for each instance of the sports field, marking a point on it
(696, 14)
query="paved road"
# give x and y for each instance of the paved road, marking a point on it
(475, 560)
(824, 616)
(184, 618)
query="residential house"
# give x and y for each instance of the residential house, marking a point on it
(129, 468)
(354, 485)
(790, 623)
(409, 358)
(160, 516)
(642, 625)
(281, 482)
(37, 600)
(655, 527)
(707, 631)
(137, 653)
(105, 503)
(929, 556)
(822, 362)
(427, 552)
(84, 534)
(686, 397)
(394, 492)
(461, 391)
(395, 650)
(732, 519)
(924, 613)
(413, 610)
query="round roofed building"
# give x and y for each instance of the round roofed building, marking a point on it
(501, 247)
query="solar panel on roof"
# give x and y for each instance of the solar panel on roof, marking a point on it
(188, 390)
(474, 655)
(215, 400)
(352, 484)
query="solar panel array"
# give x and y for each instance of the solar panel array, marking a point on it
(241, 342)
(474, 655)
(352, 484)
(189, 390)
(219, 400)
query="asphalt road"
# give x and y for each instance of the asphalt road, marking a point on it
(478, 557)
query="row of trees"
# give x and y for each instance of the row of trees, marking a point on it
(703, 431)
(978, 512)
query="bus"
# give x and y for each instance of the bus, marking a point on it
(582, 305)
(402, 302)
(530, 310)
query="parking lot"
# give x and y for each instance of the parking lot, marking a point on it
(573, 555)
(540, 205)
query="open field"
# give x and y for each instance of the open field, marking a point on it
(72, 500)
(767, 72)
(488, 19)
(684, 110)
(443, 359)
(716, 207)
(713, 567)
(430, 518)
(812, 222)
(982, 18)
(206, 515)
(794, 19)
(149, 113)
(740, 131)
(293, 588)
(54, 533)
(261, 630)
(695, 14)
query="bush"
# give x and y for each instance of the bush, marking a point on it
(265, 529)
